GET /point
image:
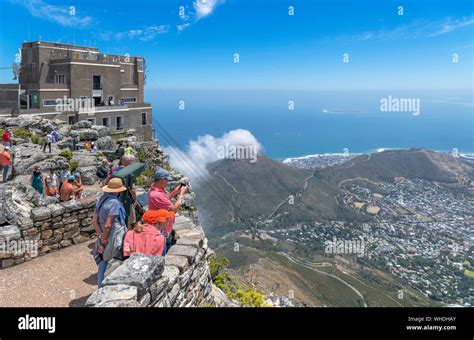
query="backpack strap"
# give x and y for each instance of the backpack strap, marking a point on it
(100, 207)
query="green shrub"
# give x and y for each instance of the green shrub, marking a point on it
(66, 154)
(22, 133)
(142, 156)
(37, 139)
(245, 296)
(146, 178)
(74, 165)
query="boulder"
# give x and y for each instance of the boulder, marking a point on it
(187, 251)
(88, 175)
(138, 270)
(72, 205)
(84, 158)
(83, 124)
(171, 272)
(40, 214)
(9, 232)
(16, 201)
(103, 131)
(85, 134)
(110, 294)
(181, 262)
(46, 161)
(48, 127)
(57, 209)
(105, 143)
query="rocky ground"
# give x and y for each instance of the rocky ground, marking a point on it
(17, 198)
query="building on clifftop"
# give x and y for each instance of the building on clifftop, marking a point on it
(73, 83)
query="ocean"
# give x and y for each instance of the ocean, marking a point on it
(298, 123)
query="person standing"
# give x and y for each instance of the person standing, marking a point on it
(47, 142)
(103, 169)
(159, 199)
(109, 223)
(7, 138)
(5, 161)
(37, 180)
(120, 151)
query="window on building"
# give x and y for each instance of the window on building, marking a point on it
(119, 122)
(129, 99)
(51, 102)
(143, 118)
(106, 121)
(72, 120)
(96, 83)
(60, 79)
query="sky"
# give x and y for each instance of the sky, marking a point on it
(279, 44)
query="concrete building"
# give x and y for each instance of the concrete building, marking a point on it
(73, 83)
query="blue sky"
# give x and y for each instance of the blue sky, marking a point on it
(276, 50)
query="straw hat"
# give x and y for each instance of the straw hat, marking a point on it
(114, 185)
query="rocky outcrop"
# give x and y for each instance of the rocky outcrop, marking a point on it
(180, 279)
(45, 229)
(105, 143)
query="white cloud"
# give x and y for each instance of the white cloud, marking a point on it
(450, 25)
(415, 29)
(64, 15)
(206, 149)
(183, 26)
(205, 8)
(145, 34)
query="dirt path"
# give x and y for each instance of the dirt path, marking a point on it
(301, 263)
(63, 278)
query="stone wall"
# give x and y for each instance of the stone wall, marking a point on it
(48, 228)
(180, 279)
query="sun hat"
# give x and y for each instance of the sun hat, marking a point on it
(153, 216)
(114, 185)
(162, 173)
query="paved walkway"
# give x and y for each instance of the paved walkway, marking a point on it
(59, 279)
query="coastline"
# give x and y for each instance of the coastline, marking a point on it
(464, 154)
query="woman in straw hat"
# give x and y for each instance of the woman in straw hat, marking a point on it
(109, 223)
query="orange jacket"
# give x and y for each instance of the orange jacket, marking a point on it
(5, 158)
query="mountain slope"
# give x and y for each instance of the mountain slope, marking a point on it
(240, 191)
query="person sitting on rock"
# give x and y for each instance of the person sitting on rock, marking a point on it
(37, 180)
(146, 238)
(64, 174)
(87, 146)
(93, 148)
(52, 184)
(67, 191)
(78, 185)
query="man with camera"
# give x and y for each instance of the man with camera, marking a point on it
(159, 199)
